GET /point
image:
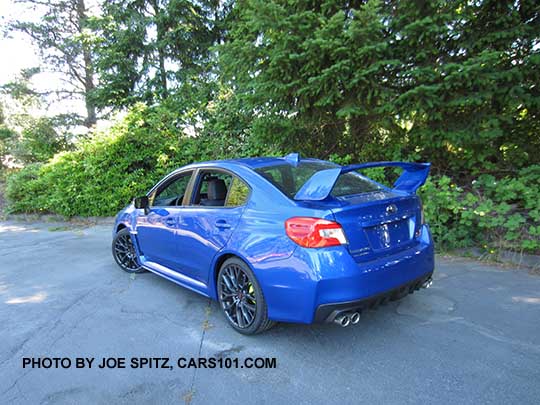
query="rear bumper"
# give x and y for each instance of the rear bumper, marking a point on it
(328, 312)
(311, 284)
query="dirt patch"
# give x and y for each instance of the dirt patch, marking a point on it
(59, 222)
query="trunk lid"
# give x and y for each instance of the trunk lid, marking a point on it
(381, 226)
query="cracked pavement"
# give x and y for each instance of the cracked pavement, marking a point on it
(474, 337)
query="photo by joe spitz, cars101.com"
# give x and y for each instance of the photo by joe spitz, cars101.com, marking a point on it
(282, 239)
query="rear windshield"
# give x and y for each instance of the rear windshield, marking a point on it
(290, 179)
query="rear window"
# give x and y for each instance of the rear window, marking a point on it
(290, 179)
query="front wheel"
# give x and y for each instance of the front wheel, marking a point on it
(124, 252)
(241, 298)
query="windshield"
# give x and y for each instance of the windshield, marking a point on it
(290, 179)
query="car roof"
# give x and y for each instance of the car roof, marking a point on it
(257, 162)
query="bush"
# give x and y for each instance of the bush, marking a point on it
(106, 171)
(489, 212)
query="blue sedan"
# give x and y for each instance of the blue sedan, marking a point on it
(282, 239)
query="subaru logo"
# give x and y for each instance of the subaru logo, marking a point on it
(391, 209)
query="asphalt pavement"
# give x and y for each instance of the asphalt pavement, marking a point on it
(473, 337)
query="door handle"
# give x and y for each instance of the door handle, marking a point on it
(159, 211)
(222, 224)
(170, 221)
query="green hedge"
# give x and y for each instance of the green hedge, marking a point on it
(107, 171)
(490, 213)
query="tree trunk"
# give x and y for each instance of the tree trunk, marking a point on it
(162, 73)
(89, 85)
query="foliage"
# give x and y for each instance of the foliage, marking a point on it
(493, 213)
(7, 136)
(150, 50)
(24, 136)
(107, 171)
(39, 141)
(64, 40)
(450, 82)
(228, 127)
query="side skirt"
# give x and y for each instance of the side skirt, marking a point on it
(175, 277)
(167, 273)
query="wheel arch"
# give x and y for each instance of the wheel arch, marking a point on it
(218, 262)
(120, 227)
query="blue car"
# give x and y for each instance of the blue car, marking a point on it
(282, 239)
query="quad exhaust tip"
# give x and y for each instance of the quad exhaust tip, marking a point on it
(348, 318)
(352, 318)
(427, 283)
(343, 320)
(355, 318)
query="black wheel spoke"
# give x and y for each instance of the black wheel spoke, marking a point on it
(239, 317)
(250, 307)
(226, 294)
(227, 283)
(245, 313)
(227, 304)
(237, 296)
(125, 253)
(234, 277)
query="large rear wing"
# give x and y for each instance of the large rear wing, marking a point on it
(320, 185)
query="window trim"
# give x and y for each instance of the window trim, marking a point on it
(196, 183)
(167, 180)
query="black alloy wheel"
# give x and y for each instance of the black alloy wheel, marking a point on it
(241, 298)
(124, 252)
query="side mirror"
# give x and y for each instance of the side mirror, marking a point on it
(141, 203)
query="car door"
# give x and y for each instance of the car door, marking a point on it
(209, 220)
(158, 228)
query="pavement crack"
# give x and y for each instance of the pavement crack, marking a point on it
(158, 314)
(498, 336)
(14, 384)
(49, 328)
(188, 397)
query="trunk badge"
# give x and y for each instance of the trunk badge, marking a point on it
(385, 236)
(391, 209)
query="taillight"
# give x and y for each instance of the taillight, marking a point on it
(314, 232)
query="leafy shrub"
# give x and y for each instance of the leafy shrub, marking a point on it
(492, 213)
(40, 140)
(25, 189)
(108, 170)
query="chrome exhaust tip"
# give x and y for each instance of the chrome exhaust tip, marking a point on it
(355, 318)
(427, 283)
(343, 320)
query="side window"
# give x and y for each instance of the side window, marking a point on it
(273, 174)
(212, 189)
(238, 193)
(173, 193)
(219, 189)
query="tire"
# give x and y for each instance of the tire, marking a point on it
(238, 293)
(124, 252)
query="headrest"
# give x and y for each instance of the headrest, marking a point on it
(217, 190)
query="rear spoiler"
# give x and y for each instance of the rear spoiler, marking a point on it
(320, 185)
